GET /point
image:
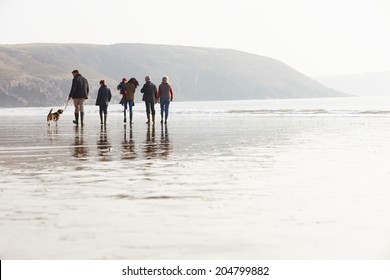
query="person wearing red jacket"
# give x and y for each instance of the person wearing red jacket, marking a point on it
(165, 94)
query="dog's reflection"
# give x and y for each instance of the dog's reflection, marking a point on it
(80, 149)
(52, 133)
(128, 146)
(103, 145)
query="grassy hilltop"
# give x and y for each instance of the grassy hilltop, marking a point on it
(40, 74)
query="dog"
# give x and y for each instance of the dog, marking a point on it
(54, 116)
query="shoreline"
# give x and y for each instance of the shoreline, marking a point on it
(199, 188)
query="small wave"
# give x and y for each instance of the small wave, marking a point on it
(309, 112)
(375, 112)
(130, 197)
(279, 111)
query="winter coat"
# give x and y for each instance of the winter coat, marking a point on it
(165, 91)
(150, 92)
(80, 87)
(104, 96)
(130, 91)
(122, 88)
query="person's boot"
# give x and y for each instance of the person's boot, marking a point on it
(153, 118)
(131, 117)
(124, 117)
(148, 116)
(101, 117)
(76, 119)
(105, 118)
(82, 119)
(162, 117)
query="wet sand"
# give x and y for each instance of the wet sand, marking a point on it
(222, 187)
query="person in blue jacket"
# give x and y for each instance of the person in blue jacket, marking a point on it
(103, 97)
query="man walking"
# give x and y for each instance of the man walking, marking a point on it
(150, 95)
(79, 93)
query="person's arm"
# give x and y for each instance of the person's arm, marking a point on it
(171, 92)
(109, 95)
(158, 92)
(73, 89)
(98, 97)
(86, 81)
(155, 91)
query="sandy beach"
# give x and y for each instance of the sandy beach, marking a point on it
(208, 185)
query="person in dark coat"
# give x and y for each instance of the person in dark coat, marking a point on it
(149, 91)
(103, 97)
(122, 90)
(79, 93)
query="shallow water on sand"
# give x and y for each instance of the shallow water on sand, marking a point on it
(231, 185)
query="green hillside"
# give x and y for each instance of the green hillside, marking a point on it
(40, 74)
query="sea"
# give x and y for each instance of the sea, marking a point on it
(305, 179)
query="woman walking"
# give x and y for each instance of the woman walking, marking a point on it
(165, 93)
(128, 98)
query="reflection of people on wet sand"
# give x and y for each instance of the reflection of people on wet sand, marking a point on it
(103, 145)
(150, 147)
(80, 149)
(165, 145)
(128, 145)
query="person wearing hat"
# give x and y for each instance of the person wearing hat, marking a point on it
(122, 89)
(165, 93)
(150, 94)
(79, 93)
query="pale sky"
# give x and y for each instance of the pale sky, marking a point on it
(316, 37)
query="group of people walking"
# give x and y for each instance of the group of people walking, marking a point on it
(152, 94)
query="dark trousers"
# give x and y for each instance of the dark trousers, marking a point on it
(103, 109)
(150, 108)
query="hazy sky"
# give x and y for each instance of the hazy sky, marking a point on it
(315, 37)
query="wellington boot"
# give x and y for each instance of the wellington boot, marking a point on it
(76, 119)
(82, 118)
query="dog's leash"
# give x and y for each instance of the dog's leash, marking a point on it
(66, 105)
